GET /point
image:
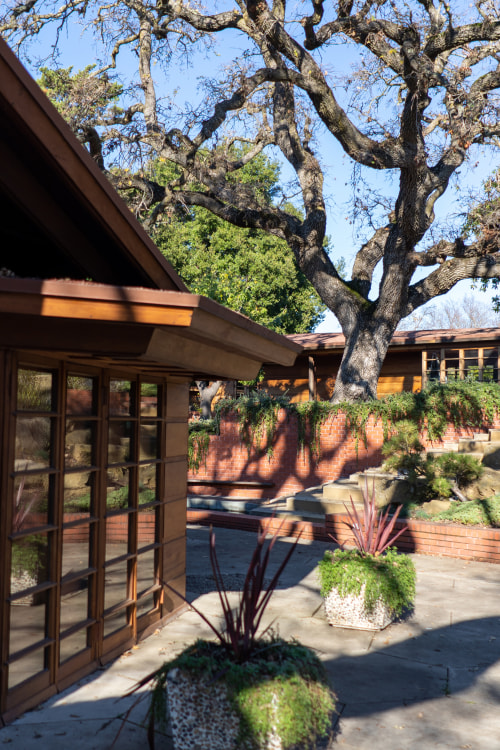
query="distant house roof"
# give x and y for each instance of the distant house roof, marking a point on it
(424, 338)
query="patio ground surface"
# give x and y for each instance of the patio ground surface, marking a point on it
(432, 681)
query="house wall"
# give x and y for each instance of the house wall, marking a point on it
(401, 371)
(287, 470)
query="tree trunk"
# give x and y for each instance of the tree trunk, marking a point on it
(364, 354)
(207, 391)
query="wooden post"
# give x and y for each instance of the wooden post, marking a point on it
(312, 378)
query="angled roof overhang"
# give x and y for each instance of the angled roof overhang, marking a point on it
(173, 332)
(59, 215)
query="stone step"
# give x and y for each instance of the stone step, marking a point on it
(229, 504)
(494, 435)
(343, 491)
(450, 447)
(481, 437)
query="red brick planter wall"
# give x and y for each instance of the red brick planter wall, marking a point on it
(423, 537)
(228, 459)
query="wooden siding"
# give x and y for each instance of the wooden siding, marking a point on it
(401, 371)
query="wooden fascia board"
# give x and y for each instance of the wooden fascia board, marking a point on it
(171, 316)
(58, 145)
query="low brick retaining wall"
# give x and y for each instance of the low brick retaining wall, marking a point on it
(423, 537)
(287, 470)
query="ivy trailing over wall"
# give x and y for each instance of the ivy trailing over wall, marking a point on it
(257, 418)
(463, 403)
(199, 441)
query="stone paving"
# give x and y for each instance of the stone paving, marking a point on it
(431, 682)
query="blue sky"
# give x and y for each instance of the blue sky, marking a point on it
(78, 51)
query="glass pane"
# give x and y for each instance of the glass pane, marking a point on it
(471, 362)
(115, 584)
(472, 373)
(145, 605)
(147, 483)
(146, 575)
(74, 603)
(149, 399)
(33, 441)
(27, 667)
(78, 444)
(76, 549)
(115, 622)
(80, 395)
(490, 374)
(120, 442)
(433, 365)
(149, 442)
(455, 353)
(28, 625)
(34, 390)
(78, 493)
(146, 532)
(490, 356)
(468, 353)
(118, 491)
(29, 566)
(120, 398)
(31, 501)
(73, 645)
(117, 531)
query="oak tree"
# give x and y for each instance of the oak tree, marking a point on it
(422, 97)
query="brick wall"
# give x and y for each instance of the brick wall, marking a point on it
(423, 537)
(228, 458)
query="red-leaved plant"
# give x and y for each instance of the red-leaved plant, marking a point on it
(239, 635)
(242, 623)
(372, 532)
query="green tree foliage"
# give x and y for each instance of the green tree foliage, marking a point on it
(245, 269)
(484, 218)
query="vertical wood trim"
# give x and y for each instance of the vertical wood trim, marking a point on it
(56, 507)
(5, 407)
(480, 363)
(424, 369)
(99, 540)
(461, 363)
(442, 367)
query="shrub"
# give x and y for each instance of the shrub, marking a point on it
(390, 578)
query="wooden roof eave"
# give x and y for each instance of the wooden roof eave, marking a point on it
(177, 330)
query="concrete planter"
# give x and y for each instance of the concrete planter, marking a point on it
(201, 715)
(277, 701)
(349, 611)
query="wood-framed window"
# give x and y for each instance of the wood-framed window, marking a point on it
(446, 364)
(85, 510)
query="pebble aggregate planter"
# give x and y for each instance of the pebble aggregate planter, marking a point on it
(201, 715)
(277, 698)
(349, 611)
(363, 591)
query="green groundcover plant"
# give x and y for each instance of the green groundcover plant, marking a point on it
(481, 512)
(389, 578)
